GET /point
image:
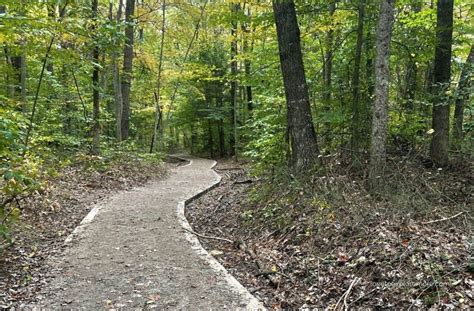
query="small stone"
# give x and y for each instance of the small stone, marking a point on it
(216, 253)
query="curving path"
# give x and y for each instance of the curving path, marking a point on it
(134, 254)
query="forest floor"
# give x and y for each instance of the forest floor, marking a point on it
(328, 243)
(134, 254)
(51, 214)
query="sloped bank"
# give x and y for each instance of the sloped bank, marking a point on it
(305, 254)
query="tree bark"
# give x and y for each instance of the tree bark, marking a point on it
(220, 128)
(355, 124)
(127, 67)
(247, 65)
(233, 84)
(302, 137)
(95, 83)
(51, 7)
(442, 74)
(158, 84)
(462, 95)
(328, 56)
(116, 81)
(382, 83)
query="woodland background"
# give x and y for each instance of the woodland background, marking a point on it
(99, 82)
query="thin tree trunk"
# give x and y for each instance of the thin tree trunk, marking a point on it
(462, 95)
(442, 74)
(369, 69)
(95, 83)
(158, 84)
(193, 137)
(84, 109)
(382, 83)
(127, 67)
(220, 128)
(116, 77)
(328, 56)
(302, 137)
(411, 81)
(40, 80)
(356, 115)
(233, 84)
(247, 65)
(23, 83)
(51, 7)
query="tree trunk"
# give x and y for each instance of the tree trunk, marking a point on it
(355, 124)
(382, 83)
(442, 74)
(233, 83)
(193, 137)
(328, 56)
(369, 69)
(95, 84)
(220, 129)
(158, 84)
(462, 95)
(116, 81)
(302, 137)
(411, 81)
(247, 66)
(51, 7)
(127, 67)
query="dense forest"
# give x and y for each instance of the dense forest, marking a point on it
(343, 111)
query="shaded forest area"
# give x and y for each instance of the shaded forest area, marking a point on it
(354, 119)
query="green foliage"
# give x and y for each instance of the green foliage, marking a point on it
(266, 145)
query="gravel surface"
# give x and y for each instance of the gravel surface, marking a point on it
(134, 255)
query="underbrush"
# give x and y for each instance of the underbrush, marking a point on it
(329, 237)
(28, 177)
(325, 241)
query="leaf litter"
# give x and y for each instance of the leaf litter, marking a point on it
(296, 252)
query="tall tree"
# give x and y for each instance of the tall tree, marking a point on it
(233, 83)
(382, 80)
(356, 109)
(442, 74)
(328, 56)
(116, 77)
(95, 81)
(158, 83)
(302, 137)
(247, 49)
(462, 95)
(127, 67)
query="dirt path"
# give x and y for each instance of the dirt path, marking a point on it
(134, 254)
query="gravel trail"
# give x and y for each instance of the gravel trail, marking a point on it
(134, 255)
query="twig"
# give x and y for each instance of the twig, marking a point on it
(347, 294)
(209, 237)
(442, 219)
(246, 181)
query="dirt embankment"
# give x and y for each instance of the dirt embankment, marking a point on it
(304, 247)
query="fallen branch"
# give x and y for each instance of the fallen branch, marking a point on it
(262, 272)
(442, 219)
(246, 181)
(347, 294)
(209, 237)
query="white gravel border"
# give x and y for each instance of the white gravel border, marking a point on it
(252, 302)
